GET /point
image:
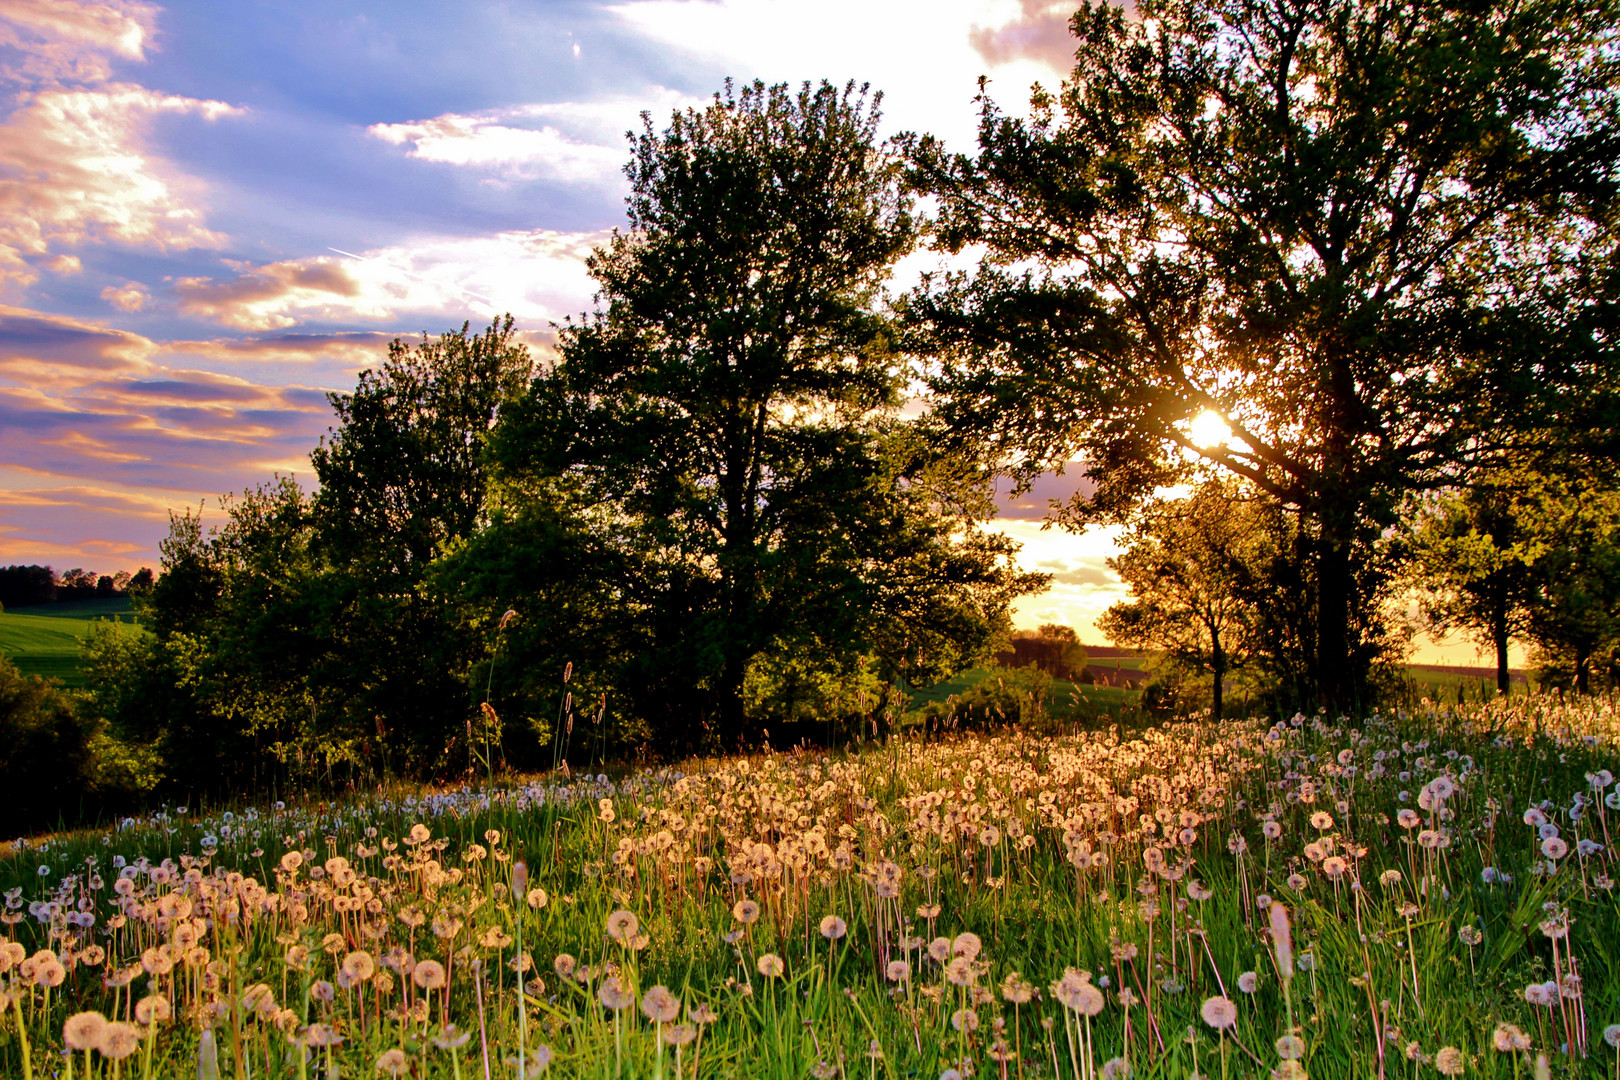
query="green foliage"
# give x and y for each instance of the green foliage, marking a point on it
(732, 412)
(992, 698)
(1375, 238)
(48, 752)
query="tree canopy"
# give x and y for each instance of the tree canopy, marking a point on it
(1374, 237)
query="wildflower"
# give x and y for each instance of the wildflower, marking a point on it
(359, 966)
(1077, 994)
(660, 1006)
(1290, 1047)
(82, 1031)
(1611, 1035)
(966, 945)
(1116, 1069)
(393, 1062)
(771, 966)
(833, 928)
(564, 965)
(965, 1020)
(898, 971)
(623, 925)
(1554, 847)
(745, 911)
(1449, 1061)
(1219, 1012)
(1247, 982)
(613, 994)
(959, 972)
(153, 1009)
(1289, 1070)
(1016, 989)
(537, 898)
(1509, 1037)
(679, 1034)
(1321, 820)
(451, 1037)
(429, 975)
(1334, 866)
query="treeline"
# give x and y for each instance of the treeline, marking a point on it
(26, 586)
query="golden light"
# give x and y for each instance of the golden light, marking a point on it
(1209, 430)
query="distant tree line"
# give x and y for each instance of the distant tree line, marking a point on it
(25, 586)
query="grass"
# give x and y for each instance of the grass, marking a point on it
(995, 905)
(45, 639)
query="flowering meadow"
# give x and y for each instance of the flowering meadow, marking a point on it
(1407, 895)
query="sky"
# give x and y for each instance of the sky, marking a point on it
(213, 214)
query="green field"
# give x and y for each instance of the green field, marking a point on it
(45, 640)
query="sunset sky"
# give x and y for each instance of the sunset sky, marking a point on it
(213, 213)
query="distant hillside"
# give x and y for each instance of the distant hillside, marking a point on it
(44, 639)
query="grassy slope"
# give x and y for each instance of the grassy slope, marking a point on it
(45, 640)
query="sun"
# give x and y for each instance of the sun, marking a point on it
(1209, 430)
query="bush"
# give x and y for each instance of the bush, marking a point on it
(996, 697)
(46, 760)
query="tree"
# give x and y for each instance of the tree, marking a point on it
(402, 474)
(1474, 556)
(24, 586)
(403, 480)
(1372, 236)
(731, 411)
(1187, 563)
(1574, 613)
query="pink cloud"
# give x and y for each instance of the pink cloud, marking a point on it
(130, 296)
(262, 298)
(73, 171)
(1039, 33)
(72, 39)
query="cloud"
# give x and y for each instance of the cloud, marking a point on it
(73, 170)
(538, 276)
(528, 153)
(261, 298)
(1039, 33)
(81, 525)
(57, 40)
(929, 80)
(30, 340)
(94, 406)
(1093, 571)
(130, 296)
(76, 166)
(1049, 487)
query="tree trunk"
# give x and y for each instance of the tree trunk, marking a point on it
(1334, 680)
(1499, 634)
(1217, 662)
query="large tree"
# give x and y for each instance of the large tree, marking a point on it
(1372, 235)
(732, 407)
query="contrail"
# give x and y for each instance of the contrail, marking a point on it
(418, 277)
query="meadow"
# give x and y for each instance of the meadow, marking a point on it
(1411, 894)
(48, 639)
